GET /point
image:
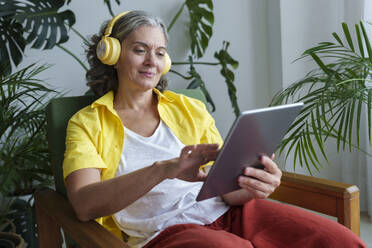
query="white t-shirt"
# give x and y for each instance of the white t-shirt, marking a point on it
(170, 202)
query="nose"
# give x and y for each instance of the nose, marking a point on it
(150, 59)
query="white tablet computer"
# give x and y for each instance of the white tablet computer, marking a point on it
(253, 133)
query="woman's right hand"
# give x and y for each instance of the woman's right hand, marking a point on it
(187, 165)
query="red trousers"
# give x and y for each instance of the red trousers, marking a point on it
(260, 223)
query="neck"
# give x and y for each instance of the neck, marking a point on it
(134, 99)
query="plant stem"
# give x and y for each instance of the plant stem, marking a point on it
(353, 79)
(74, 56)
(179, 74)
(176, 17)
(80, 35)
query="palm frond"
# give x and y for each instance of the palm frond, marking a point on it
(334, 94)
(24, 159)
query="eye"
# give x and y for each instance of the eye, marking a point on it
(139, 50)
(160, 54)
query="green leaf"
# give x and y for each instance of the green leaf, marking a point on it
(335, 35)
(347, 35)
(316, 128)
(201, 25)
(109, 7)
(320, 63)
(312, 152)
(300, 153)
(41, 16)
(359, 115)
(360, 42)
(307, 153)
(351, 122)
(225, 60)
(293, 137)
(296, 154)
(12, 44)
(28, 21)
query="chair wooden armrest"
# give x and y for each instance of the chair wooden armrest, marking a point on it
(53, 212)
(336, 199)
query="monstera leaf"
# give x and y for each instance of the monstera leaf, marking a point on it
(12, 44)
(31, 21)
(43, 21)
(201, 23)
(225, 60)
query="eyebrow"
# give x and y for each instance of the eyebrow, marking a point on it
(145, 45)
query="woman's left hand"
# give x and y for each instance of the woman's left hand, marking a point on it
(261, 183)
(256, 183)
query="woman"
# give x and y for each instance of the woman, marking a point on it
(134, 157)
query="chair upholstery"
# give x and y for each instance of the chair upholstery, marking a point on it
(53, 210)
(59, 111)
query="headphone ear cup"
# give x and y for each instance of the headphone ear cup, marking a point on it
(167, 64)
(108, 50)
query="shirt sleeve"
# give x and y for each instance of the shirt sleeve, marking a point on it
(210, 134)
(81, 146)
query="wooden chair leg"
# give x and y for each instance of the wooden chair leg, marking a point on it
(49, 233)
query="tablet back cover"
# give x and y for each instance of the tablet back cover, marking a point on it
(253, 133)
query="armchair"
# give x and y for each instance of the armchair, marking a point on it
(53, 211)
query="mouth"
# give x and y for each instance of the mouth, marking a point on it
(147, 74)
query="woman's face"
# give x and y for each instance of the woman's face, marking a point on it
(141, 60)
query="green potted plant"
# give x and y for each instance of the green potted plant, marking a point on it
(336, 93)
(24, 160)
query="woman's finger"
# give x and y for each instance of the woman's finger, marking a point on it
(256, 187)
(270, 165)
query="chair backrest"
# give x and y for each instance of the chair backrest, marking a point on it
(59, 111)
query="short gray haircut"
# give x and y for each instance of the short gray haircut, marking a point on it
(132, 21)
(102, 78)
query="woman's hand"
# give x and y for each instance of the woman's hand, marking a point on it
(261, 183)
(256, 183)
(187, 166)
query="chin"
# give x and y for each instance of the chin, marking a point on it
(147, 85)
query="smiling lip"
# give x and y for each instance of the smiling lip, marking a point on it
(147, 74)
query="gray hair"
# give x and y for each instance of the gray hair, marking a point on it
(132, 21)
(102, 78)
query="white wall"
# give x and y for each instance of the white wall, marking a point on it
(266, 36)
(241, 22)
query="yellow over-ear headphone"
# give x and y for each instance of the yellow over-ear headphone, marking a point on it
(109, 48)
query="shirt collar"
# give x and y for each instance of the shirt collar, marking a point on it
(108, 99)
(162, 96)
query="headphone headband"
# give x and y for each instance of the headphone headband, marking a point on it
(111, 24)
